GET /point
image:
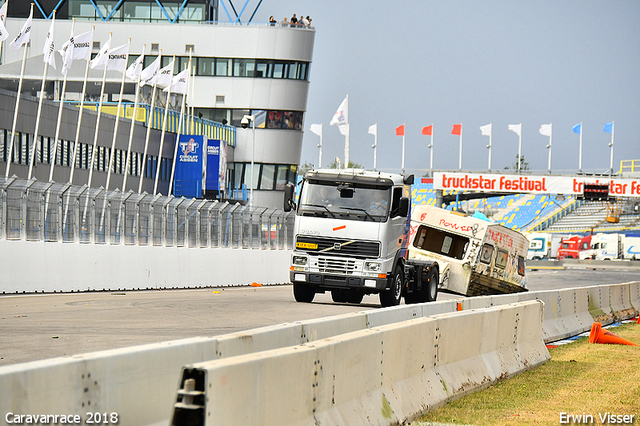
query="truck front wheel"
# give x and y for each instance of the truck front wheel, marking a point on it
(392, 296)
(303, 293)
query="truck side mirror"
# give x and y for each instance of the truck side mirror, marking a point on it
(288, 197)
(404, 207)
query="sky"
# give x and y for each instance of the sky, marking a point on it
(473, 62)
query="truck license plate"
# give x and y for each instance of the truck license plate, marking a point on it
(306, 245)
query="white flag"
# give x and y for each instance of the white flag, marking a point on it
(545, 130)
(165, 75)
(149, 75)
(24, 34)
(66, 52)
(82, 45)
(179, 83)
(316, 129)
(101, 59)
(373, 129)
(340, 116)
(135, 69)
(4, 34)
(49, 47)
(486, 129)
(343, 129)
(118, 57)
(516, 128)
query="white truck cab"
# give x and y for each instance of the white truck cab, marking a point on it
(350, 234)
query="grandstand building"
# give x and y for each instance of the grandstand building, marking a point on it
(241, 68)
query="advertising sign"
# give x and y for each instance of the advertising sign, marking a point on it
(189, 166)
(534, 184)
(216, 165)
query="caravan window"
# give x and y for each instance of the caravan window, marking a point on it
(441, 242)
(486, 253)
(521, 266)
(501, 258)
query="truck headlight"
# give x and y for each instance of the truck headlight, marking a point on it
(373, 266)
(300, 260)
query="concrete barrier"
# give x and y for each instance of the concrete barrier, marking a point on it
(125, 374)
(634, 290)
(620, 301)
(63, 267)
(384, 375)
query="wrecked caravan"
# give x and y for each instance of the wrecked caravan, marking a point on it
(475, 257)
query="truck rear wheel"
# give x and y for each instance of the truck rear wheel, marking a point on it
(303, 293)
(429, 291)
(392, 296)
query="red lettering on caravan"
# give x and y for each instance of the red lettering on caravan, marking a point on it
(455, 226)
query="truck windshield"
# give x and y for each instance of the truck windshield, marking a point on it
(355, 202)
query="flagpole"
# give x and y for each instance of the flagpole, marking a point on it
(431, 152)
(133, 122)
(95, 138)
(164, 129)
(404, 132)
(580, 151)
(613, 125)
(149, 124)
(460, 154)
(489, 146)
(15, 113)
(175, 149)
(4, 24)
(346, 136)
(549, 146)
(60, 108)
(84, 91)
(42, 87)
(115, 129)
(375, 149)
(320, 149)
(520, 147)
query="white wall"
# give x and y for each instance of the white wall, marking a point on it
(47, 267)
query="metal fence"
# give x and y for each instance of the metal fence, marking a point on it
(37, 211)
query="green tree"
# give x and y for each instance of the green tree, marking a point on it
(304, 168)
(523, 164)
(334, 165)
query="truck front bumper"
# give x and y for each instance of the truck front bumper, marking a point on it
(329, 282)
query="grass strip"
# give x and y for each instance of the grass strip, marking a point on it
(581, 378)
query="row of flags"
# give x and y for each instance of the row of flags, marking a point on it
(114, 59)
(341, 118)
(486, 130)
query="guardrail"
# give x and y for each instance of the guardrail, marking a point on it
(38, 211)
(384, 375)
(139, 382)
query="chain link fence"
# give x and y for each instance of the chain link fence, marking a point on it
(36, 211)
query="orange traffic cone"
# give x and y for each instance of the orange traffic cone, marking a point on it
(598, 335)
(638, 319)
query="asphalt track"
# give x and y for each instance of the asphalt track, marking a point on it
(34, 327)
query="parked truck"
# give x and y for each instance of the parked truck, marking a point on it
(354, 235)
(572, 246)
(610, 246)
(539, 246)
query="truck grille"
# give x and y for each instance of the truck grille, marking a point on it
(338, 247)
(336, 266)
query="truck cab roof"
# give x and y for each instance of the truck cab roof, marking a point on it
(356, 176)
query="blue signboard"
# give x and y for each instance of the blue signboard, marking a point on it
(216, 165)
(189, 174)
